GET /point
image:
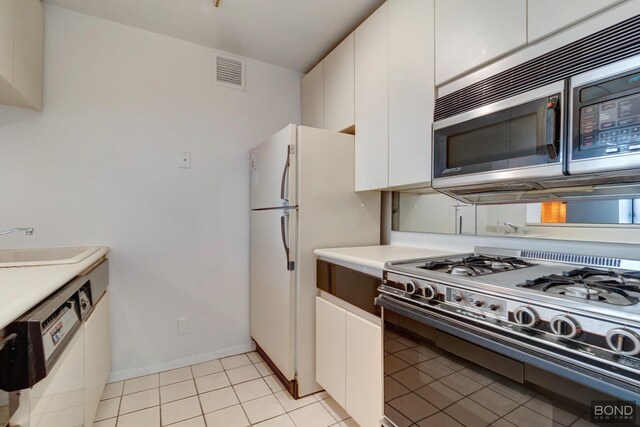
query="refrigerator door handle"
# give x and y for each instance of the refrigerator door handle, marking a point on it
(285, 175)
(284, 226)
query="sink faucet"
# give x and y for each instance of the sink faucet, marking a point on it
(27, 231)
(514, 227)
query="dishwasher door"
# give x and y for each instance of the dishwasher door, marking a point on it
(58, 400)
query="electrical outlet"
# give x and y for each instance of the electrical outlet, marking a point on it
(185, 160)
(183, 326)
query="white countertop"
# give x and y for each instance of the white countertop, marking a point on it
(24, 287)
(371, 259)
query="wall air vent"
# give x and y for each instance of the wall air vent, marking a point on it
(229, 71)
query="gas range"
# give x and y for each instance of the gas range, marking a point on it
(580, 309)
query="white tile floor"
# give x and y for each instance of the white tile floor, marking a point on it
(237, 391)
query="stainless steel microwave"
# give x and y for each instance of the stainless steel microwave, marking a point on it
(510, 145)
(604, 136)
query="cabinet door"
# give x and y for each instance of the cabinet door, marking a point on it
(7, 10)
(547, 16)
(312, 97)
(372, 102)
(58, 400)
(330, 349)
(411, 90)
(470, 33)
(97, 354)
(339, 86)
(28, 51)
(364, 371)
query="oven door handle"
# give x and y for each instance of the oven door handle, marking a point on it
(552, 125)
(6, 340)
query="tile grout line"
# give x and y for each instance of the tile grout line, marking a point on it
(197, 395)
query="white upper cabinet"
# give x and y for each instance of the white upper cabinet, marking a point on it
(21, 50)
(372, 102)
(327, 91)
(564, 13)
(312, 97)
(470, 33)
(7, 11)
(339, 86)
(411, 91)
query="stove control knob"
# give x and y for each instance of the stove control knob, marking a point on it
(623, 342)
(430, 291)
(525, 316)
(564, 326)
(458, 298)
(411, 287)
(494, 307)
(479, 303)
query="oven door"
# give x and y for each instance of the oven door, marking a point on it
(437, 374)
(517, 138)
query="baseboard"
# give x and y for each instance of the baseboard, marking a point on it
(180, 363)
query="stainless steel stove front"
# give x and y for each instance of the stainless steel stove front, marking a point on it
(534, 346)
(439, 373)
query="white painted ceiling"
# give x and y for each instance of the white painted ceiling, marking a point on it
(294, 34)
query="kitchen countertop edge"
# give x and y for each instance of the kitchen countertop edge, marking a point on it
(24, 287)
(371, 259)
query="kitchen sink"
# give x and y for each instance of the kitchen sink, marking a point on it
(44, 256)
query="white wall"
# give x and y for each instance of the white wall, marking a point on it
(99, 165)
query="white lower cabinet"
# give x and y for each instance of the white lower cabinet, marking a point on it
(97, 357)
(363, 371)
(349, 361)
(331, 349)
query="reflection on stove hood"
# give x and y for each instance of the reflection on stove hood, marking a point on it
(560, 189)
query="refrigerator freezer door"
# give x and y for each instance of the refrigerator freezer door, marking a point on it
(273, 286)
(273, 171)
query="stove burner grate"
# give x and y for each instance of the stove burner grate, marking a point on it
(590, 284)
(475, 265)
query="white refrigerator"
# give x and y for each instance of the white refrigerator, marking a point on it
(302, 198)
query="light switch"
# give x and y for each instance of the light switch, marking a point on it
(185, 160)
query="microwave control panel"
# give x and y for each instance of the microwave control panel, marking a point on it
(614, 125)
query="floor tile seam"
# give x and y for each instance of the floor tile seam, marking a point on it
(238, 397)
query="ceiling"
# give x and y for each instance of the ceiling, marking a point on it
(294, 34)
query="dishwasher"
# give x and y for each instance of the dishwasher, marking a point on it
(42, 371)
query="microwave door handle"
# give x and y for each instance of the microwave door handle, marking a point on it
(552, 126)
(284, 226)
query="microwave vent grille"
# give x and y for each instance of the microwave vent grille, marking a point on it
(601, 48)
